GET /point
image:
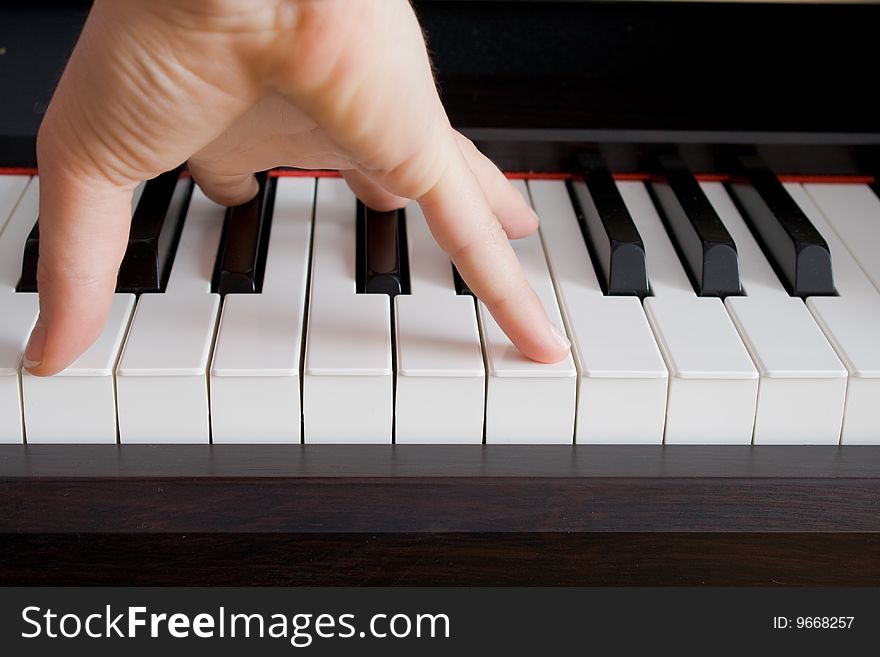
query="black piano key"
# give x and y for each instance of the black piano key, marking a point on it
(791, 243)
(381, 261)
(28, 280)
(155, 227)
(242, 251)
(461, 288)
(705, 246)
(608, 228)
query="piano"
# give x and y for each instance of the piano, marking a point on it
(301, 390)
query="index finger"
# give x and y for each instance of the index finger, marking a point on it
(462, 222)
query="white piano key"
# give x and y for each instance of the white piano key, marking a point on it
(192, 273)
(18, 313)
(526, 401)
(852, 327)
(255, 379)
(162, 384)
(850, 280)
(11, 190)
(24, 206)
(136, 195)
(347, 373)
(618, 362)
(19, 206)
(850, 321)
(713, 384)
(78, 405)
(440, 372)
(803, 383)
(854, 214)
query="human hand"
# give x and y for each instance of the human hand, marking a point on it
(235, 88)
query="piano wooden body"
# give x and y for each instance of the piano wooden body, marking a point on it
(534, 84)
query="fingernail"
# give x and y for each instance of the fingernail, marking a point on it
(537, 218)
(33, 354)
(560, 337)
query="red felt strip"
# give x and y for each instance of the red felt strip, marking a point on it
(543, 175)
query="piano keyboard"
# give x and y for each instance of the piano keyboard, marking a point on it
(699, 313)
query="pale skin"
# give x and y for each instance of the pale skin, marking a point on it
(235, 87)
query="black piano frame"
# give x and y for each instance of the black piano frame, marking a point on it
(707, 81)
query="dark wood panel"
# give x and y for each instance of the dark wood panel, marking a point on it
(440, 505)
(452, 461)
(376, 489)
(447, 559)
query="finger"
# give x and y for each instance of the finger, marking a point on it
(85, 210)
(372, 195)
(380, 107)
(83, 235)
(227, 189)
(479, 248)
(512, 210)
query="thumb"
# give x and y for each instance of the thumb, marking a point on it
(89, 151)
(84, 224)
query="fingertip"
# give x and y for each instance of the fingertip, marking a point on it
(525, 322)
(551, 347)
(66, 327)
(526, 225)
(561, 347)
(33, 353)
